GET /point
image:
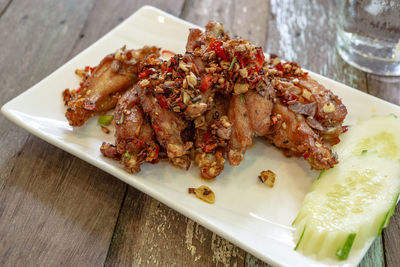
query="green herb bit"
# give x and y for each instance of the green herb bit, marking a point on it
(320, 174)
(241, 98)
(364, 151)
(126, 156)
(105, 120)
(343, 253)
(232, 63)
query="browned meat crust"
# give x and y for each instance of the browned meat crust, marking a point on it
(135, 141)
(174, 104)
(101, 86)
(212, 132)
(292, 134)
(250, 116)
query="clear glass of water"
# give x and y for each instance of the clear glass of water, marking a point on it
(368, 35)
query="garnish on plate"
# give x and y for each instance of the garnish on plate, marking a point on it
(351, 203)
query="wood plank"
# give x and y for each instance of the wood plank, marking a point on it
(114, 13)
(247, 19)
(57, 209)
(4, 4)
(384, 87)
(54, 208)
(388, 88)
(297, 34)
(391, 240)
(149, 233)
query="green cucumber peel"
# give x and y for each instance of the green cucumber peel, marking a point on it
(295, 219)
(343, 252)
(389, 214)
(301, 237)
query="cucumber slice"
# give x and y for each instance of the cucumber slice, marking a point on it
(389, 214)
(344, 252)
(353, 202)
(301, 238)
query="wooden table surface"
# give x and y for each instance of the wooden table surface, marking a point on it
(56, 209)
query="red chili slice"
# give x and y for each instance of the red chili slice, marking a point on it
(279, 67)
(156, 127)
(162, 101)
(206, 136)
(156, 152)
(306, 155)
(259, 58)
(217, 47)
(206, 82)
(144, 74)
(138, 143)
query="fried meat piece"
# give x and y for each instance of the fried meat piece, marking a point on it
(242, 133)
(218, 96)
(101, 86)
(135, 140)
(212, 133)
(323, 110)
(166, 124)
(295, 137)
(250, 116)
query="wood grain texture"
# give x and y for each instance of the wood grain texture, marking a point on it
(4, 4)
(149, 233)
(97, 23)
(54, 208)
(391, 240)
(247, 19)
(304, 32)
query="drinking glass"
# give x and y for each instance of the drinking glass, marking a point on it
(368, 35)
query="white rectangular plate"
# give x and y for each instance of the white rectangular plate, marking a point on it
(246, 212)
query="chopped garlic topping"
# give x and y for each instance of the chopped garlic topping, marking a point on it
(328, 108)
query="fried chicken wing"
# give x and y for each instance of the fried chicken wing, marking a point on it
(250, 116)
(212, 132)
(242, 133)
(294, 137)
(135, 140)
(323, 110)
(167, 125)
(217, 96)
(101, 86)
